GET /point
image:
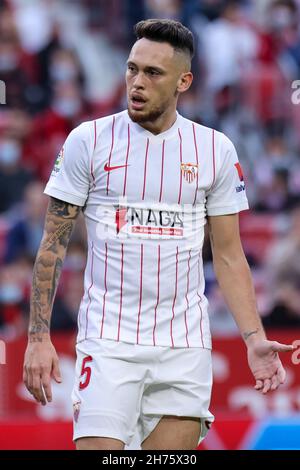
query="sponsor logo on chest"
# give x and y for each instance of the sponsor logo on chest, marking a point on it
(149, 221)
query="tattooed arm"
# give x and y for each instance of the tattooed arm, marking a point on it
(41, 362)
(234, 277)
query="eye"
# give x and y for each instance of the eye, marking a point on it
(153, 72)
(131, 68)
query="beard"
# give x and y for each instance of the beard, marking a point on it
(148, 116)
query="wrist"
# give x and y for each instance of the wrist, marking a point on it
(34, 337)
(251, 337)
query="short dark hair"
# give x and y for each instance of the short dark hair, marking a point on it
(170, 31)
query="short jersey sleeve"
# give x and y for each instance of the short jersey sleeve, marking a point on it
(70, 177)
(227, 194)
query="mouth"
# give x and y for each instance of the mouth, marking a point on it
(137, 102)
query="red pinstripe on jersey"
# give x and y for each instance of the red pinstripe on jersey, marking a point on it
(111, 150)
(162, 170)
(157, 298)
(104, 296)
(92, 162)
(174, 300)
(197, 160)
(121, 291)
(141, 293)
(145, 169)
(180, 152)
(187, 300)
(213, 159)
(127, 153)
(199, 303)
(89, 295)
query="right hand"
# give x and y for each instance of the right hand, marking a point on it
(40, 364)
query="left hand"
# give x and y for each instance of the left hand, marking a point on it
(265, 364)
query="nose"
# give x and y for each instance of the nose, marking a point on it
(138, 81)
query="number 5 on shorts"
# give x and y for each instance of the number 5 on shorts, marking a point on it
(87, 371)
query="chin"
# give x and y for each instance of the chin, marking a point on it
(138, 116)
(142, 116)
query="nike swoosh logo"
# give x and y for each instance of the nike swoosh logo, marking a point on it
(110, 168)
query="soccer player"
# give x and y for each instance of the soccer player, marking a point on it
(147, 180)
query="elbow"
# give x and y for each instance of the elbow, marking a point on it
(230, 261)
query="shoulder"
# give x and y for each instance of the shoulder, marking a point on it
(208, 135)
(107, 122)
(83, 132)
(87, 129)
(202, 130)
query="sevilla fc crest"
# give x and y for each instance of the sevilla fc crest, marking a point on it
(189, 171)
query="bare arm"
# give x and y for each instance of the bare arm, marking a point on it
(40, 358)
(233, 274)
(234, 277)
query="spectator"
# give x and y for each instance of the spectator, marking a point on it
(13, 176)
(65, 309)
(286, 311)
(51, 127)
(25, 235)
(14, 284)
(283, 271)
(276, 196)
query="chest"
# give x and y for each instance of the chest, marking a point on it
(166, 171)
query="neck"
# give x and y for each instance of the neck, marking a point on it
(161, 124)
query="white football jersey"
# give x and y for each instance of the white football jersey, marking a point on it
(145, 199)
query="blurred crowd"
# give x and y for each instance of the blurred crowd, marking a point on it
(63, 62)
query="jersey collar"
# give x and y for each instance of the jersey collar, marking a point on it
(155, 137)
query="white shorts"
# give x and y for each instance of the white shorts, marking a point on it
(123, 389)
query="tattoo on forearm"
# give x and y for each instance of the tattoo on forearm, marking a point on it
(49, 263)
(55, 278)
(62, 234)
(63, 209)
(40, 326)
(249, 333)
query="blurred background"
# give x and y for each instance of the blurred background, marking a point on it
(63, 62)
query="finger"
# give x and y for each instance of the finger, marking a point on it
(278, 347)
(281, 374)
(267, 386)
(56, 371)
(25, 377)
(46, 384)
(37, 388)
(26, 380)
(274, 382)
(258, 385)
(29, 379)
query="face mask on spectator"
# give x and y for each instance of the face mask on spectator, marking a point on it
(10, 293)
(63, 72)
(10, 152)
(281, 18)
(67, 107)
(8, 62)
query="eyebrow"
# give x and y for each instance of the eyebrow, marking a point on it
(147, 67)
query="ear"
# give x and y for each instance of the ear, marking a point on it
(184, 82)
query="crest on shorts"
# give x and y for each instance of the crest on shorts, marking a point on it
(76, 410)
(58, 162)
(189, 171)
